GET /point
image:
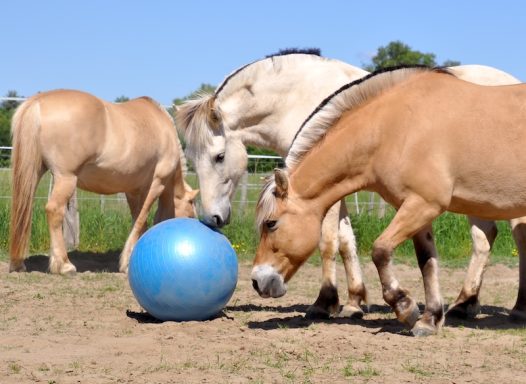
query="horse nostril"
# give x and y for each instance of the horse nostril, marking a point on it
(218, 221)
(255, 285)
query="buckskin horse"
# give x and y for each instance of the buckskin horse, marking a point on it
(101, 147)
(423, 139)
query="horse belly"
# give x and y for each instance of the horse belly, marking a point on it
(495, 201)
(110, 181)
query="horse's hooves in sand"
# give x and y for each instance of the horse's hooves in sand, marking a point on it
(351, 312)
(317, 313)
(17, 268)
(517, 316)
(464, 310)
(67, 269)
(422, 330)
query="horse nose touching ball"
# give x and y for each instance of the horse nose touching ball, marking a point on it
(182, 270)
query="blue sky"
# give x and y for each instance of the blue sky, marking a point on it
(166, 49)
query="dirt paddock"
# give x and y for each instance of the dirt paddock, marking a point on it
(89, 329)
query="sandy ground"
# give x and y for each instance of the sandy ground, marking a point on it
(89, 329)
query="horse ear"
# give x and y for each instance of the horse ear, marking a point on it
(176, 107)
(282, 182)
(193, 194)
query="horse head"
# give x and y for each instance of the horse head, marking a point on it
(289, 234)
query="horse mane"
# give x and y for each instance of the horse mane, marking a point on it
(274, 61)
(291, 51)
(197, 118)
(349, 96)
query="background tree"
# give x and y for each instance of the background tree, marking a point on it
(397, 53)
(122, 99)
(204, 88)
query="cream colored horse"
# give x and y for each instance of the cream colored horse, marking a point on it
(427, 142)
(263, 104)
(101, 147)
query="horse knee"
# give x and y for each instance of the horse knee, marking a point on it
(381, 254)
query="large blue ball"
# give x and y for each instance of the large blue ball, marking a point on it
(182, 270)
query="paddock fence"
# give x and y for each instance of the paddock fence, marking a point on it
(259, 167)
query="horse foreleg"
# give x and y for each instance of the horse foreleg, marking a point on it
(156, 188)
(355, 285)
(426, 253)
(413, 215)
(483, 234)
(518, 313)
(63, 189)
(327, 303)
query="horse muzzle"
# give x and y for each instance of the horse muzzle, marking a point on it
(268, 282)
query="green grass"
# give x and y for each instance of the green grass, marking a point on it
(104, 226)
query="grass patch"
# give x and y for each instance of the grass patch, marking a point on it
(105, 224)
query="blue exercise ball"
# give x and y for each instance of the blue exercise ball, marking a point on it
(180, 269)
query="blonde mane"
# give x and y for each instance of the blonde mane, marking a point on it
(266, 204)
(197, 119)
(347, 97)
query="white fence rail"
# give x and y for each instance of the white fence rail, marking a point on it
(248, 189)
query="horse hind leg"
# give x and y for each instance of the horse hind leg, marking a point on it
(483, 234)
(518, 313)
(357, 293)
(63, 189)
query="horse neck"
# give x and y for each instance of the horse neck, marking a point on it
(272, 112)
(339, 165)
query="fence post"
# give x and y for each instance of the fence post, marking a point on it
(244, 188)
(381, 209)
(71, 226)
(371, 202)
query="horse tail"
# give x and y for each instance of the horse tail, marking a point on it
(27, 168)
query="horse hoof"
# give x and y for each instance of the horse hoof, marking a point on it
(464, 311)
(351, 312)
(68, 269)
(407, 312)
(17, 268)
(423, 330)
(317, 313)
(518, 316)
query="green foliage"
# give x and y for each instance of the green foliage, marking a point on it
(204, 88)
(122, 99)
(397, 53)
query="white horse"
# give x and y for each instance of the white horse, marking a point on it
(263, 104)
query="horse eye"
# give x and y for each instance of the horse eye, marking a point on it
(220, 158)
(271, 224)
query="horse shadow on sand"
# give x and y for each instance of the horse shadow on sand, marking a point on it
(83, 261)
(490, 317)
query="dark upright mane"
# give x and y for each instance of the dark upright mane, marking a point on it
(356, 82)
(291, 51)
(281, 52)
